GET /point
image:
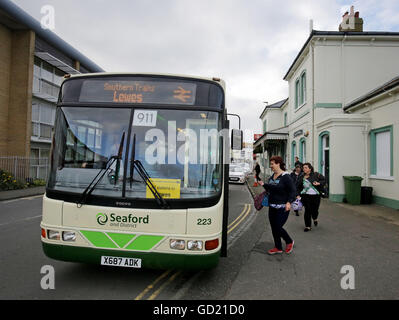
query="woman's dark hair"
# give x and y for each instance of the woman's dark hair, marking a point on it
(278, 160)
(309, 166)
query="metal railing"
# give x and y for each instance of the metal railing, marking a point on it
(25, 169)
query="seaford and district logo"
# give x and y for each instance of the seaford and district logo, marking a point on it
(121, 220)
(102, 218)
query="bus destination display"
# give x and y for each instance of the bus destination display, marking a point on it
(124, 91)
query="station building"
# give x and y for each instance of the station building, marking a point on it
(33, 62)
(342, 111)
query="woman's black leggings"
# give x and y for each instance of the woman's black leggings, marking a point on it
(311, 203)
(277, 218)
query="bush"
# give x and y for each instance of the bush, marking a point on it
(8, 182)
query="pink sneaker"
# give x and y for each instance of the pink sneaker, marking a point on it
(274, 251)
(289, 248)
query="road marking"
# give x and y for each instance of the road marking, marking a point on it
(241, 220)
(242, 212)
(156, 293)
(149, 287)
(231, 227)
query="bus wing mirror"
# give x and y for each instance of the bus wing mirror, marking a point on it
(236, 139)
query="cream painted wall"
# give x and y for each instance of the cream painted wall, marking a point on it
(274, 119)
(385, 112)
(347, 148)
(369, 66)
(346, 70)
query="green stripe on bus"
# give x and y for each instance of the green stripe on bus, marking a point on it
(121, 239)
(99, 239)
(144, 242)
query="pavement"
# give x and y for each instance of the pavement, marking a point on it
(351, 254)
(21, 193)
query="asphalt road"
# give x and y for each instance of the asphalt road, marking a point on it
(22, 258)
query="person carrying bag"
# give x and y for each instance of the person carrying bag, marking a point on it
(310, 191)
(282, 193)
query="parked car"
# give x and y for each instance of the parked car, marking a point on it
(245, 167)
(237, 174)
(248, 169)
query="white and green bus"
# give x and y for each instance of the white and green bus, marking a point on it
(138, 172)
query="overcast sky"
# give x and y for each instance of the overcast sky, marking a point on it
(248, 43)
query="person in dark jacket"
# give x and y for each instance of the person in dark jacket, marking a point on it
(257, 172)
(282, 193)
(310, 193)
(297, 177)
(297, 162)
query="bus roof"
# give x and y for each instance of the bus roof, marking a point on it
(99, 74)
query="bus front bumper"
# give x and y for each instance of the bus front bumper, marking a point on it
(151, 260)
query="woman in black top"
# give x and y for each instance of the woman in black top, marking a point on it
(282, 192)
(309, 191)
(297, 177)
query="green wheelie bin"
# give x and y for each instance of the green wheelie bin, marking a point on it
(353, 189)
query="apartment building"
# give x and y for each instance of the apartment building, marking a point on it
(33, 62)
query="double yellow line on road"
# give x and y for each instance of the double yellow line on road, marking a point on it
(240, 218)
(244, 213)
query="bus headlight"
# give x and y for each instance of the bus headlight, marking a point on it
(68, 236)
(53, 235)
(177, 244)
(194, 245)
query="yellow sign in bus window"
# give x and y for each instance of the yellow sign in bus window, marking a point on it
(167, 188)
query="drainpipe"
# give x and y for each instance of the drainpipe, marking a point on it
(343, 71)
(313, 109)
(366, 156)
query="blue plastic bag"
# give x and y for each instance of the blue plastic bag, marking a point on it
(265, 201)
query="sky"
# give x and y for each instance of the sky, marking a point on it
(249, 44)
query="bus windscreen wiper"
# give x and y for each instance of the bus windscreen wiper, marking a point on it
(144, 175)
(108, 165)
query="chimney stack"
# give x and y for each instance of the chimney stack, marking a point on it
(351, 22)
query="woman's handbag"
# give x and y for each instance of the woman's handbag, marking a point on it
(258, 200)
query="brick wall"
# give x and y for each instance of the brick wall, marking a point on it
(5, 65)
(20, 107)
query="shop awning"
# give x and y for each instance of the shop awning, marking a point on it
(276, 135)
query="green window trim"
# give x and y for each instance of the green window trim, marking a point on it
(303, 87)
(285, 119)
(300, 90)
(373, 148)
(293, 153)
(302, 149)
(296, 93)
(328, 105)
(321, 136)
